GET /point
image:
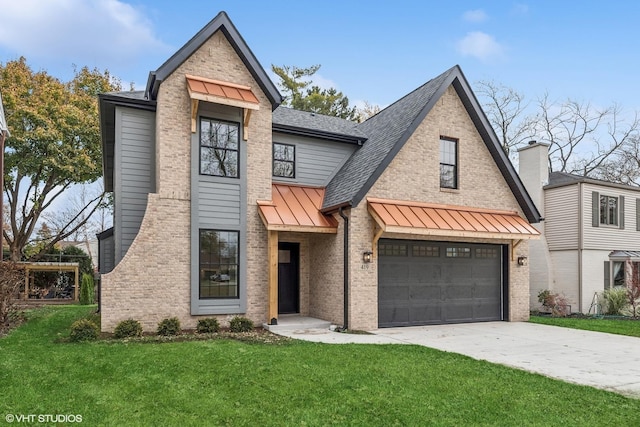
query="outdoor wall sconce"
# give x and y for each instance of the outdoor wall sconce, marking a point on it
(367, 256)
(522, 260)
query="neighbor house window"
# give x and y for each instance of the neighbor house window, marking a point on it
(219, 144)
(218, 264)
(608, 210)
(448, 163)
(284, 160)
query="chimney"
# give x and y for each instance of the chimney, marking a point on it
(533, 168)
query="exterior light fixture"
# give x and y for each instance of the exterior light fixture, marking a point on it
(522, 260)
(367, 256)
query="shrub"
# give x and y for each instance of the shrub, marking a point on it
(11, 278)
(615, 300)
(87, 290)
(169, 326)
(557, 303)
(208, 326)
(127, 329)
(240, 324)
(84, 330)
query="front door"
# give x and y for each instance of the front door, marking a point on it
(288, 278)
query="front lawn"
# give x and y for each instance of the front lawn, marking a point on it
(228, 382)
(611, 326)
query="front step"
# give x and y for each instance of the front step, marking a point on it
(298, 322)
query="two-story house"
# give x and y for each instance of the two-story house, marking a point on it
(590, 234)
(227, 203)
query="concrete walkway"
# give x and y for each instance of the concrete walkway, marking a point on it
(606, 361)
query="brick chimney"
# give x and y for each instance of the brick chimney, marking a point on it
(533, 168)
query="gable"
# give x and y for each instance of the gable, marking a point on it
(414, 172)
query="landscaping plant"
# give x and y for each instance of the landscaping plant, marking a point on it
(127, 329)
(208, 326)
(87, 290)
(240, 324)
(169, 327)
(11, 277)
(555, 302)
(615, 300)
(84, 330)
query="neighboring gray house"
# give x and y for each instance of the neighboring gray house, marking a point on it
(590, 233)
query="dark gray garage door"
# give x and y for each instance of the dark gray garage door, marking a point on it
(423, 283)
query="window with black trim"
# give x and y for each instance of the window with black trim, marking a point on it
(284, 160)
(448, 163)
(219, 259)
(608, 210)
(219, 147)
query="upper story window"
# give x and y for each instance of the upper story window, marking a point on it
(219, 145)
(608, 210)
(284, 160)
(448, 163)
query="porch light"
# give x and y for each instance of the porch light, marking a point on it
(367, 256)
(522, 260)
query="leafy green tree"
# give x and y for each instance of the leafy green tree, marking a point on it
(54, 145)
(300, 93)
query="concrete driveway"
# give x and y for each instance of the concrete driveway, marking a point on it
(606, 361)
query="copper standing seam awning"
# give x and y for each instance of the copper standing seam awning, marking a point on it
(296, 208)
(426, 219)
(219, 92)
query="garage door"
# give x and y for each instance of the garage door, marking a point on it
(423, 283)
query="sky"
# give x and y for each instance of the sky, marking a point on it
(374, 51)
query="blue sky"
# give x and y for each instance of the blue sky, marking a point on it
(370, 50)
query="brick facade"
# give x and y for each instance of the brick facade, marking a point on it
(414, 175)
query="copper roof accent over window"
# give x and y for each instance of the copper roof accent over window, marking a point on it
(296, 208)
(445, 220)
(220, 92)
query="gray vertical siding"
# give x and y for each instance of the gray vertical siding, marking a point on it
(107, 254)
(134, 174)
(317, 161)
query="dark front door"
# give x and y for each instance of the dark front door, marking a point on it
(288, 278)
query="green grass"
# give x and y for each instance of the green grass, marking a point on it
(227, 382)
(611, 326)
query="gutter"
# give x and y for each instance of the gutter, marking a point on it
(346, 268)
(580, 244)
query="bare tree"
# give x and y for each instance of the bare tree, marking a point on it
(367, 110)
(506, 110)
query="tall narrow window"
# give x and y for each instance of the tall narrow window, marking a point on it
(608, 210)
(218, 264)
(284, 160)
(448, 163)
(219, 143)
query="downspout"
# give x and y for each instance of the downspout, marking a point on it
(346, 268)
(580, 246)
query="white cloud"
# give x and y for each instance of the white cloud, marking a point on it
(477, 15)
(108, 30)
(480, 45)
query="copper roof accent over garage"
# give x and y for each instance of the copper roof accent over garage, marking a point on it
(296, 208)
(221, 92)
(445, 220)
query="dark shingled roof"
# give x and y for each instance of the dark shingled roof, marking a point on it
(293, 121)
(560, 179)
(390, 129)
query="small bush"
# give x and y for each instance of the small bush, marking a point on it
(127, 329)
(169, 327)
(240, 324)
(11, 277)
(84, 330)
(87, 291)
(557, 303)
(208, 326)
(615, 300)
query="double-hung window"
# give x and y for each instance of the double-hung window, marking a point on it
(448, 163)
(608, 210)
(219, 146)
(284, 160)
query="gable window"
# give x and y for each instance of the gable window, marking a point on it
(219, 256)
(608, 210)
(219, 144)
(284, 160)
(448, 163)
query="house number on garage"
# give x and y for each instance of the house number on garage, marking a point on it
(365, 266)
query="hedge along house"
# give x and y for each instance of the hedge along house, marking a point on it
(227, 204)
